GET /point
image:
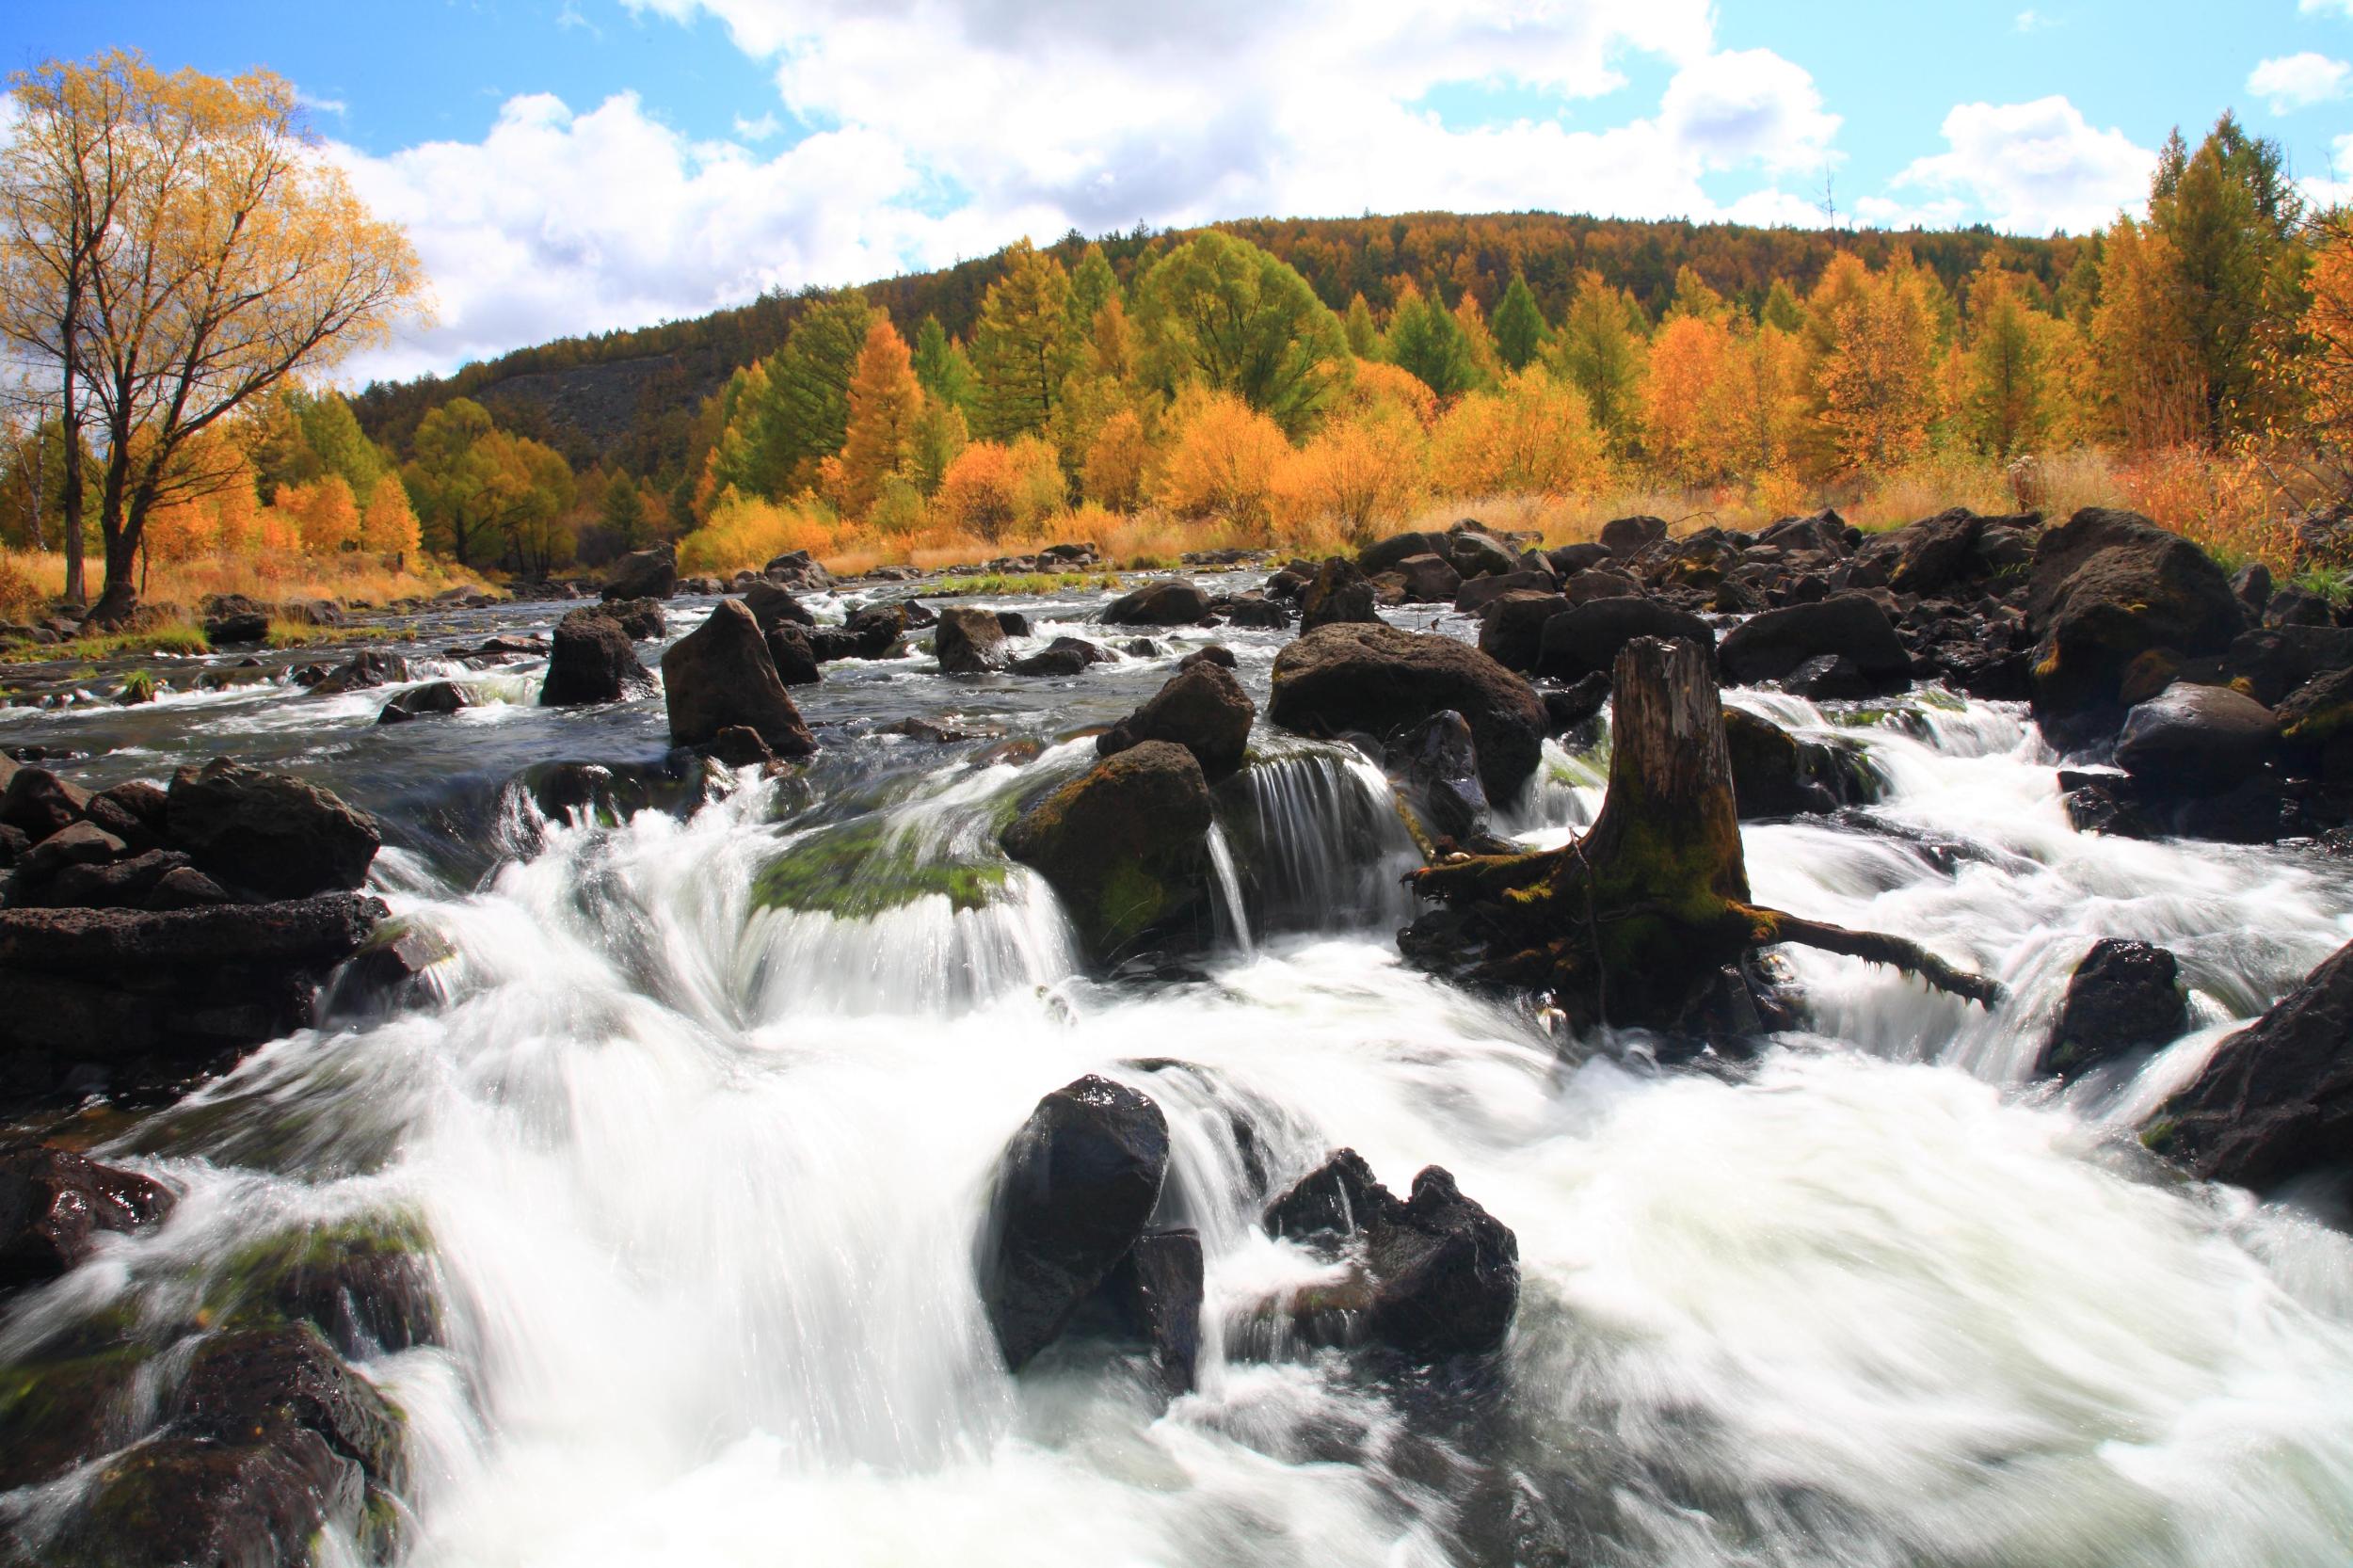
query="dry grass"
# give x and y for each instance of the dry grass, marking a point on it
(353, 579)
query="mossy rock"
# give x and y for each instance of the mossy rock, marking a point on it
(59, 1412)
(1125, 846)
(368, 1285)
(856, 871)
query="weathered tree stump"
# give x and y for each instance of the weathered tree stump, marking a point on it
(1632, 921)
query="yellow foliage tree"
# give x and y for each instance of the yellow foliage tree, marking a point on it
(2152, 373)
(1377, 384)
(2327, 367)
(885, 402)
(1683, 398)
(326, 513)
(1117, 462)
(389, 524)
(1363, 471)
(1875, 377)
(993, 488)
(1533, 436)
(1223, 460)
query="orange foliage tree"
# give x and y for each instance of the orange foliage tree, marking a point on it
(885, 403)
(1223, 460)
(1533, 436)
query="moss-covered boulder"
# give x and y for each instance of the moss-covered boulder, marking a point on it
(1125, 846)
(1774, 774)
(367, 1284)
(861, 869)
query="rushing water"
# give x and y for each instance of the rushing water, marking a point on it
(703, 1177)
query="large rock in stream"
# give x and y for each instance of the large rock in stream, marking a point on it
(721, 676)
(53, 1202)
(2124, 996)
(1126, 845)
(1379, 679)
(643, 574)
(1203, 708)
(268, 833)
(591, 660)
(2275, 1101)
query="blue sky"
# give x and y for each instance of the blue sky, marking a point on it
(575, 164)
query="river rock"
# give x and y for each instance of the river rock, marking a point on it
(1626, 536)
(1439, 1276)
(969, 641)
(798, 569)
(1386, 555)
(270, 833)
(368, 667)
(438, 697)
(1156, 1291)
(1126, 845)
(789, 650)
(2195, 740)
(1429, 579)
(1512, 628)
(1256, 612)
(872, 632)
(642, 619)
(642, 574)
(1480, 592)
(1774, 774)
(772, 604)
(236, 627)
(1476, 555)
(2124, 996)
(1064, 656)
(1339, 593)
(1775, 644)
(1436, 764)
(1586, 639)
(2316, 725)
(1074, 1190)
(1202, 709)
(53, 1202)
(1170, 601)
(590, 661)
(41, 803)
(2275, 1100)
(1379, 678)
(720, 674)
(1923, 557)
(2106, 587)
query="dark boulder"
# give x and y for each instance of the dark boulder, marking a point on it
(1436, 764)
(2294, 606)
(2106, 587)
(39, 803)
(2195, 740)
(1155, 1293)
(1438, 1276)
(2123, 996)
(790, 651)
(1258, 612)
(1587, 638)
(1773, 645)
(1429, 579)
(1074, 1191)
(719, 676)
(1774, 774)
(241, 626)
(1202, 709)
(872, 632)
(53, 1202)
(1624, 537)
(590, 659)
(1481, 592)
(642, 619)
(1125, 846)
(1386, 555)
(1477, 554)
(2275, 1101)
(1213, 653)
(368, 667)
(1379, 678)
(1923, 557)
(2315, 726)
(438, 697)
(642, 574)
(1512, 628)
(1064, 656)
(968, 641)
(1567, 707)
(2251, 584)
(132, 884)
(772, 604)
(2274, 661)
(1171, 601)
(270, 833)
(1337, 595)
(1570, 559)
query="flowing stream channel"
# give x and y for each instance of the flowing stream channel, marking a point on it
(701, 1148)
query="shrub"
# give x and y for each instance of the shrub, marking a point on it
(748, 533)
(1223, 461)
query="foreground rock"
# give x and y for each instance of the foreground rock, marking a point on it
(1125, 846)
(1777, 644)
(1377, 678)
(1774, 774)
(1435, 1275)
(591, 660)
(969, 641)
(720, 675)
(53, 1203)
(2123, 996)
(1074, 1191)
(2195, 740)
(1171, 601)
(2275, 1101)
(268, 833)
(1202, 709)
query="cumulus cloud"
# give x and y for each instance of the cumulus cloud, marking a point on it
(2296, 81)
(2321, 7)
(2030, 169)
(946, 128)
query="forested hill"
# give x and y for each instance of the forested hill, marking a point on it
(629, 398)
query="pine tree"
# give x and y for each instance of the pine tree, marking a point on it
(1092, 283)
(885, 400)
(1520, 330)
(1600, 351)
(622, 512)
(1782, 311)
(1426, 341)
(941, 366)
(1364, 338)
(1021, 349)
(2004, 381)
(808, 381)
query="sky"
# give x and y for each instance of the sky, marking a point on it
(574, 165)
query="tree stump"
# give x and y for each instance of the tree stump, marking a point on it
(1631, 922)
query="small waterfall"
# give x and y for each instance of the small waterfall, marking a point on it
(1233, 921)
(1324, 848)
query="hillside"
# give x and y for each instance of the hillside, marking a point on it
(629, 398)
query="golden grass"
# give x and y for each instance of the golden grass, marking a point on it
(352, 579)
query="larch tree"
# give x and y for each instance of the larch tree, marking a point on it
(387, 524)
(1600, 351)
(1874, 373)
(1683, 400)
(2005, 376)
(2151, 369)
(1022, 347)
(942, 366)
(2327, 367)
(235, 258)
(807, 416)
(1425, 340)
(1221, 312)
(1363, 337)
(1520, 330)
(885, 403)
(1092, 285)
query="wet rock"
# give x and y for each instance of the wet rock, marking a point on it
(1429, 579)
(1141, 647)
(2195, 740)
(80, 843)
(2275, 1101)
(1831, 678)
(177, 1500)
(720, 674)
(969, 641)
(1624, 537)
(642, 619)
(1478, 593)
(41, 803)
(1203, 708)
(1074, 1190)
(872, 632)
(789, 650)
(1587, 638)
(1252, 611)
(1435, 763)
(2106, 587)
(1339, 593)
(1388, 554)
(2123, 996)
(1171, 601)
(438, 697)
(1587, 586)
(1571, 559)
(238, 627)
(1923, 557)
(2252, 585)
(1156, 1291)
(773, 605)
(1773, 645)
(1012, 622)
(1774, 774)
(1064, 656)
(1379, 678)
(130, 884)
(1476, 555)
(2275, 661)
(590, 661)
(2315, 726)
(1440, 1275)
(1512, 628)
(642, 574)
(141, 802)
(53, 1205)
(1125, 846)
(368, 667)
(270, 833)
(1212, 653)
(1567, 707)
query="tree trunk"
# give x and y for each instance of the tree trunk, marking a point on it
(1633, 922)
(70, 420)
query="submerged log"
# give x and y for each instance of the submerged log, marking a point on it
(1632, 921)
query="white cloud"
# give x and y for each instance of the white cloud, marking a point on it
(2321, 7)
(2335, 189)
(335, 106)
(2295, 81)
(950, 127)
(2031, 168)
(2035, 22)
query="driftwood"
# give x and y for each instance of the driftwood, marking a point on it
(1632, 921)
